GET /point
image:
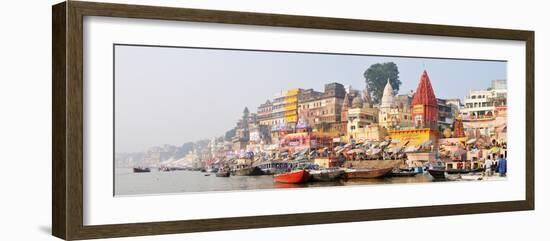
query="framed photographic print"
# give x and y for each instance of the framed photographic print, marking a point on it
(171, 120)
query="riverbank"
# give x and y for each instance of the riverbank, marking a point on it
(157, 182)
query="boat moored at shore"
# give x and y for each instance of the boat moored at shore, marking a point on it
(438, 173)
(223, 173)
(398, 172)
(326, 175)
(141, 169)
(296, 176)
(366, 173)
(274, 167)
(246, 171)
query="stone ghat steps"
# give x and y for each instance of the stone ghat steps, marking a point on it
(376, 164)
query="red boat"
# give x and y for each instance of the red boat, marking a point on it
(298, 176)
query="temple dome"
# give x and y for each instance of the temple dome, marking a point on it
(387, 96)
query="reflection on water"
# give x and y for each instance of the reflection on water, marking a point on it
(156, 182)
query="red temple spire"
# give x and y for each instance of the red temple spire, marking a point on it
(424, 104)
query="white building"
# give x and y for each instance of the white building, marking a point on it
(483, 103)
(278, 111)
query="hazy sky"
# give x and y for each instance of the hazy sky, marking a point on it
(174, 95)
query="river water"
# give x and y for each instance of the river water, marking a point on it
(156, 182)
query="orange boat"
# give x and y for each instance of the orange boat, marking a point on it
(366, 173)
(298, 176)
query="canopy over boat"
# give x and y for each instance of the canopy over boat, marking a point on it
(426, 143)
(411, 149)
(459, 152)
(374, 151)
(356, 151)
(395, 149)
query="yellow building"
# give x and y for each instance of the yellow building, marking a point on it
(418, 137)
(291, 106)
(415, 136)
(371, 132)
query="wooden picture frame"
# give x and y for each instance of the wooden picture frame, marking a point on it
(67, 124)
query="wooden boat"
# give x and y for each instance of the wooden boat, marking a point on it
(402, 173)
(480, 169)
(141, 169)
(289, 185)
(246, 171)
(274, 167)
(366, 173)
(223, 173)
(437, 173)
(297, 176)
(326, 175)
(459, 171)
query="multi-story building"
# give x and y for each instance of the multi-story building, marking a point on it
(484, 103)
(291, 107)
(322, 110)
(331, 104)
(277, 119)
(488, 130)
(284, 114)
(259, 134)
(360, 118)
(264, 113)
(447, 109)
(259, 130)
(309, 105)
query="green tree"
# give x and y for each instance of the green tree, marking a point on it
(376, 77)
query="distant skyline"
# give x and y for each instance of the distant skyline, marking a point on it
(166, 95)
